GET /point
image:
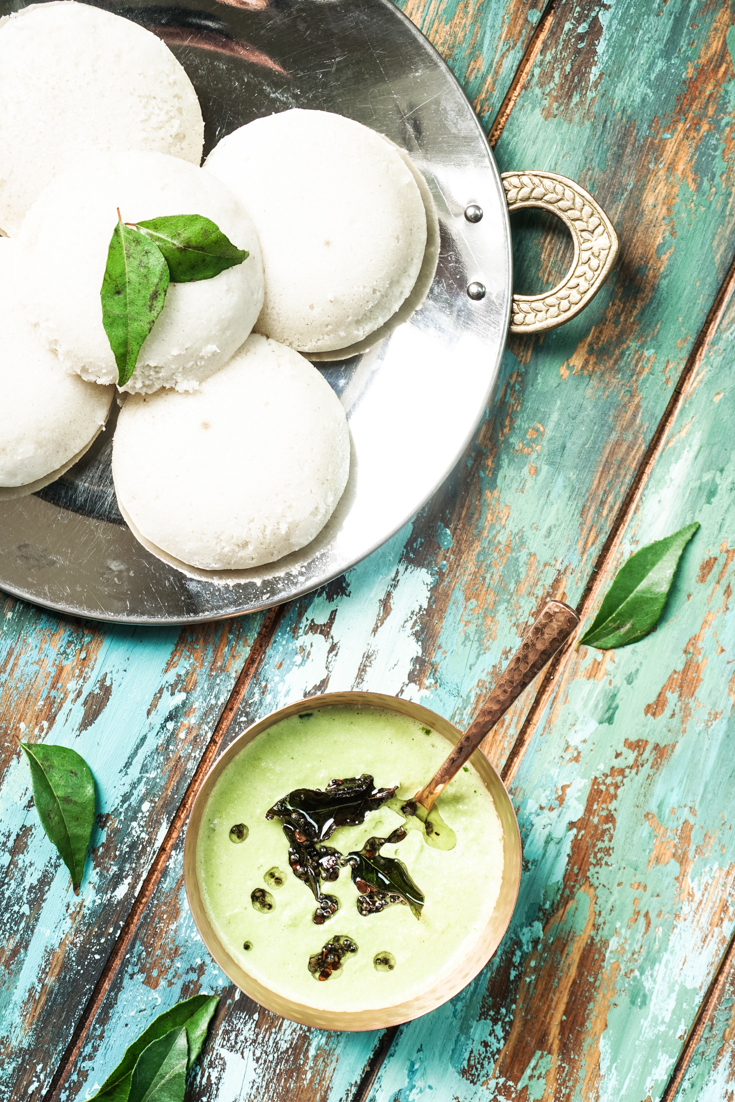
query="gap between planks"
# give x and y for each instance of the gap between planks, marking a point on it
(709, 1003)
(630, 502)
(589, 599)
(520, 77)
(153, 876)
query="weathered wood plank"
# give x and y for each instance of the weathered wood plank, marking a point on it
(529, 511)
(710, 1074)
(139, 705)
(626, 800)
(482, 43)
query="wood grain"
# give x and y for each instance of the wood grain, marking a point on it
(626, 807)
(139, 706)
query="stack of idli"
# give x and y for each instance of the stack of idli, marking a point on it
(231, 450)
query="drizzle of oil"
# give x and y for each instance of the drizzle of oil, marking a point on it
(435, 830)
(328, 962)
(262, 901)
(238, 833)
(274, 878)
(384, 962)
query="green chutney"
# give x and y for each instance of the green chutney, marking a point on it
(264, 915)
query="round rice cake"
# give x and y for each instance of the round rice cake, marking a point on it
(75, 79)
(66, 238)
(340, 219)
(245, 470)
(48, 419)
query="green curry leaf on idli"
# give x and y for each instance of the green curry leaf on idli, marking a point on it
(142, 260)
(194, 247)
(133, 294)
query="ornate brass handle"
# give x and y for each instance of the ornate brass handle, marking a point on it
(595, 248)
(552, 628)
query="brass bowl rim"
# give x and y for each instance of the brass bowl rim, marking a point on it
(443, 989)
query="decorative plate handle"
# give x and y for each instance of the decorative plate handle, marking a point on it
(595, 248)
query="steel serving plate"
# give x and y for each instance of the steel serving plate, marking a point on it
(413, 401)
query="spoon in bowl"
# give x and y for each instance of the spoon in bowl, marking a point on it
(553, 627)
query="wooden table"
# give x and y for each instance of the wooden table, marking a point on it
(614, 981)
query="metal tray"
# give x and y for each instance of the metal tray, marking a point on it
(413, 401)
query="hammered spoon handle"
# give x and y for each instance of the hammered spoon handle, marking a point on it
(552, 628)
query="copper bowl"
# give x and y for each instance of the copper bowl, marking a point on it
(447, 983)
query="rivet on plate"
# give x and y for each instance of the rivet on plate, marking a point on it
(473, 213)
(476, 291)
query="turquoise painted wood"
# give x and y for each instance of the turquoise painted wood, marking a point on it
(626, 801)
(464, 578)
(482, 43)
(140, 706)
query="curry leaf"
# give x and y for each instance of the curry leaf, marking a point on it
(160, 1073)
(318, 812)
(384, 875)
(63, 790)
(194, 247)
(133, 294)
(636, 598)
(193, 1014)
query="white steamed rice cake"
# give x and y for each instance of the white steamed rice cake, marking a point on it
(340, 219)
(76, 79)
(245, 470)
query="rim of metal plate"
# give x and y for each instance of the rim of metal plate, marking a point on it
(413, 401)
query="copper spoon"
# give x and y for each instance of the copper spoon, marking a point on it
(552, 628)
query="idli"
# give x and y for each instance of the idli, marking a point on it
(76, 79)
(242, 472)
(340, 219)
(66, 238)
(48, 419)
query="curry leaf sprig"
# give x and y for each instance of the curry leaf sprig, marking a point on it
(634, 603)
(143, 258)
(155, 1066)
(63, 791)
